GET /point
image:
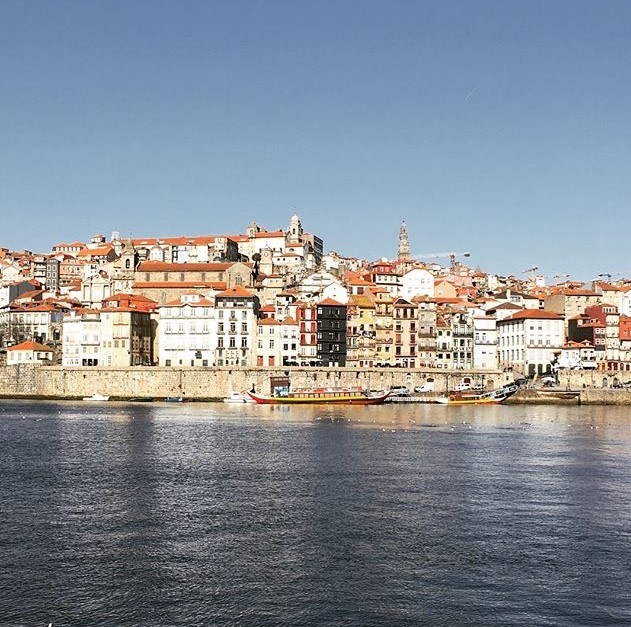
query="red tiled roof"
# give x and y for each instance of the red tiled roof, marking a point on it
(175, 285)
(178, 302)
(101, 251)
(532, 314)
(30, 346)
(237, 291)
(163, 266)
(330, 302)
(268, 322)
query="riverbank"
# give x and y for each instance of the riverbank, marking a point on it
(29, 381)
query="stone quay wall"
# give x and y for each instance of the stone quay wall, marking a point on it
(35, 381)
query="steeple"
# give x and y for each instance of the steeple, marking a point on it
(403, 250)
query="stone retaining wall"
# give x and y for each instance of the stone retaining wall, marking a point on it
(34, 381)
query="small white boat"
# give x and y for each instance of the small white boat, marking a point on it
(238, 397)
(96, 397)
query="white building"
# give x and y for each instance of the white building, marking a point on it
(530, 339)
(268, 339)
(290, 341)
(237, 313)
(417, 282)
(577, 355)
(484, 341)
(81, 333)
(28, 353)
(322, 285)
(187, 332)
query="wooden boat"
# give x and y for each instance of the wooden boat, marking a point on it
(469, 397)
(96, 397)
(348, 396)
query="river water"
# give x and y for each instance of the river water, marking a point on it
(211, 514)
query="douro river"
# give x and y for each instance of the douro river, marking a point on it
(163, 514)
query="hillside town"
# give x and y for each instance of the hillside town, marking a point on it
(274, 298)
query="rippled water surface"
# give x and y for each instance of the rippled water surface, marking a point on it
(210, 514)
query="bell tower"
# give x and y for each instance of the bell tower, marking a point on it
(403, 250)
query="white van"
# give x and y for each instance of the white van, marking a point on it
(399, 390)
(426, 387)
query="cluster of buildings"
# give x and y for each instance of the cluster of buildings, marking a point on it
(274, 298)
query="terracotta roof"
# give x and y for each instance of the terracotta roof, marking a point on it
(101, 251)
(266, 322)
(270, 234)
(507, 306)
(532, 314)
(139, 298)
(178, 302)
(30, 346)
(127, 309)
(163, 266)
(71, 245)
(330, 302)
(238, 291)
(174, 285)
(608, 287)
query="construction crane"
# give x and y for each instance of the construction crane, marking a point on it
(452, 257)
(530, 274)
(557, 277)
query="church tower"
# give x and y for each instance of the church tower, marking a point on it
(294, 232)
(403, 250)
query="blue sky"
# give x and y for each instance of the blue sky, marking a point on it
(502, 128)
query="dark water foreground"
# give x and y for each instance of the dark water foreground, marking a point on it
(209, 514)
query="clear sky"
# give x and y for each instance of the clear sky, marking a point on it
(500, 128)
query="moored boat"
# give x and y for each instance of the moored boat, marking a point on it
(331, 395)
(237, 397)
(493, 397)
(96, 397)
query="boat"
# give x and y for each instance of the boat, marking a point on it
(472, 397)
(330, 395)
(237, 397)
(96, 397)
(174, 399)
(142, 399)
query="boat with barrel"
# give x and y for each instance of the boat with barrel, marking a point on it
(473, 397)
(312, 396)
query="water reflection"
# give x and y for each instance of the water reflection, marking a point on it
(132, 514)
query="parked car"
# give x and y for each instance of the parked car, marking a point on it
(426, 387)
(462, 387)
(399, 390)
